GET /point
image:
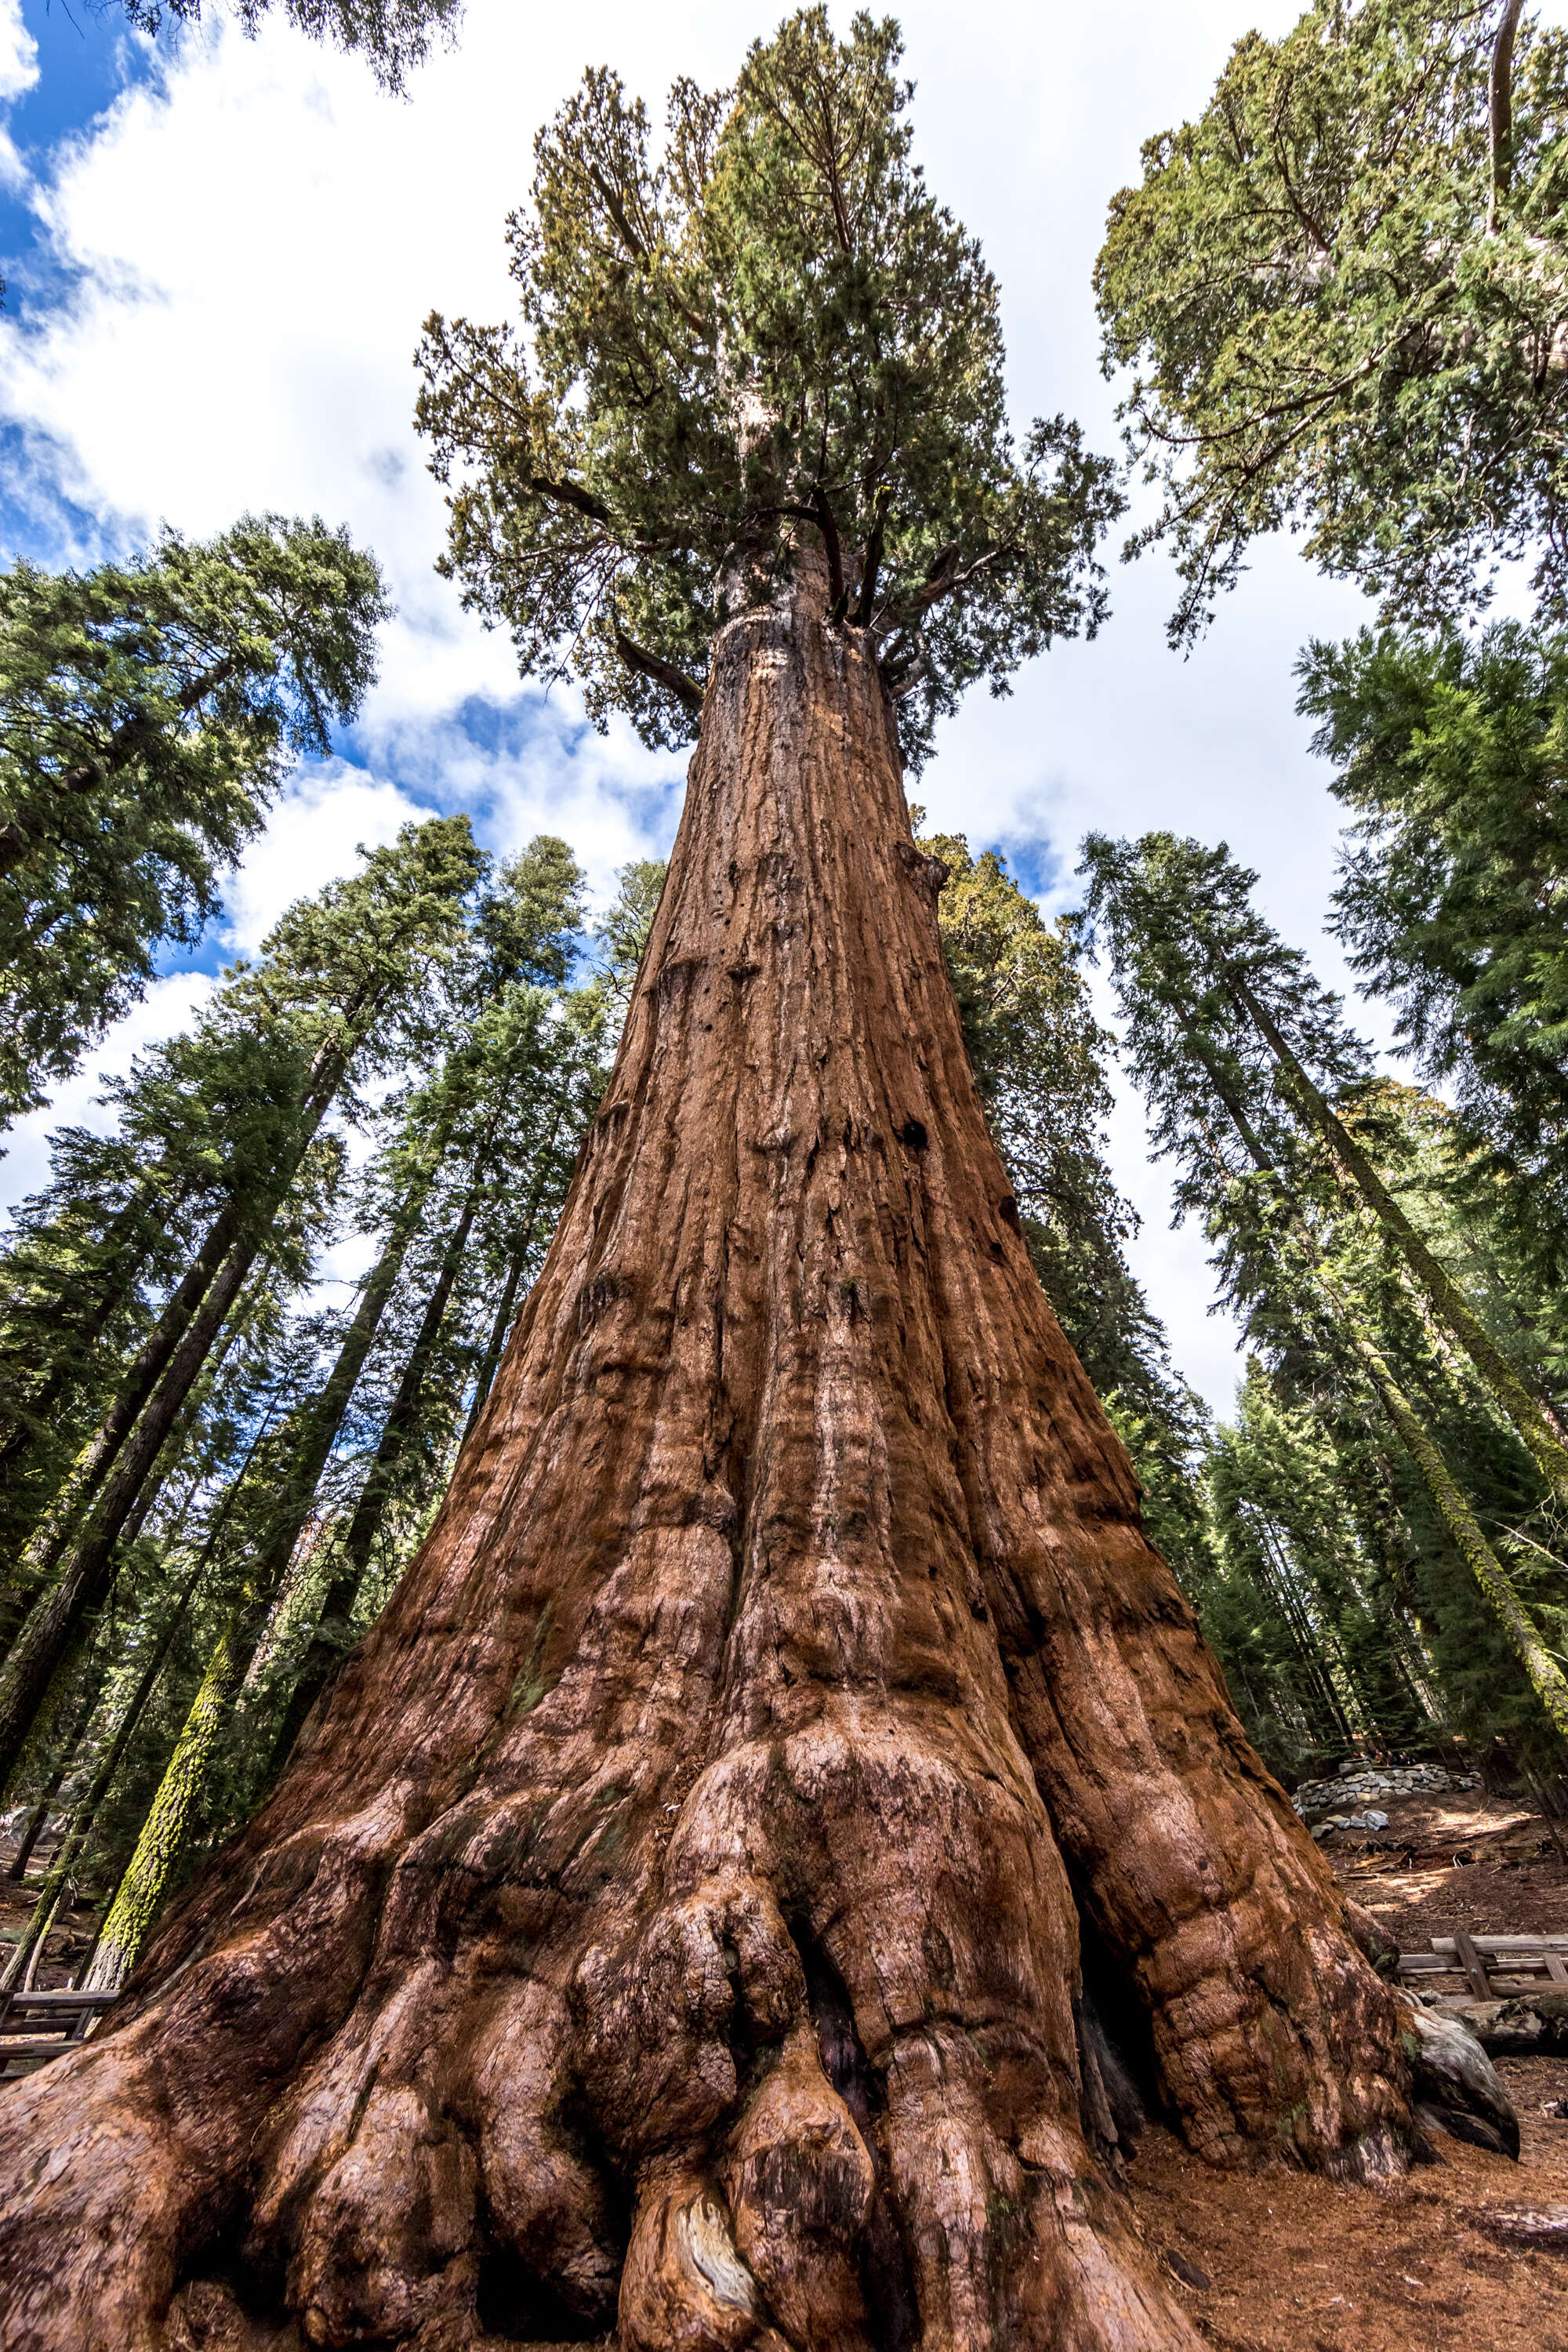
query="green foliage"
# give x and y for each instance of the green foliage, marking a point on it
(314, 1434)
(1319, 1512)
(1308, 1611)
(621, 935)
(1450, 755)
(769, 336)
(1175, 921)
(1347, 302)
(219, 1147)
(395, 35)
(147, 714)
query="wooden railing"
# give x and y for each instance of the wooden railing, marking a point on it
(37, 2026)
(1487, 1967)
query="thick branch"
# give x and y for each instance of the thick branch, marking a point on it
(674, 681)
(1501, 111)
(829, 530)
(867, 605)
(568, 494)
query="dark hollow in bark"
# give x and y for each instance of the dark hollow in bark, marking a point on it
(674, 1915)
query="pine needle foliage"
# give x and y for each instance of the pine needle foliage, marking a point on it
(1343, 292)
(148, 714)
(1451, 753)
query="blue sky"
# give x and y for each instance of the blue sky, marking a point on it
(218, 255)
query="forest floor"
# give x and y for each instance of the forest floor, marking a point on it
(68, 1938)
(1295, 2263)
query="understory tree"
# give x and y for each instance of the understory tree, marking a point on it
(698, 1903)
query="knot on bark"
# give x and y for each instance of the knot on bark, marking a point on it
(927, 873)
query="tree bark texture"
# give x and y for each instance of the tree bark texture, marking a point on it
(673, 1920)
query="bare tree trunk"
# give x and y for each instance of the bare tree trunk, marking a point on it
(324, 1652)
(674, 1915)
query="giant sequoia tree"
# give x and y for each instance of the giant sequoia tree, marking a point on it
(698, 1904)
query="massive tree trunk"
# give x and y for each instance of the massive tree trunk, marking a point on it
(677, 1909)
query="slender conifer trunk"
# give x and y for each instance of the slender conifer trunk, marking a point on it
(86, 1812)
(124, 1260)
(232, 1240)
(87, 1706)
(506, 1304)
(324, 1652)
(679, 1917)
(122, 1456)
(1444, 1492)
(320, 1420)
(1448, 1302)
(43, 1650)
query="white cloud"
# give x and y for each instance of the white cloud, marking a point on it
(324, 815)
(18, 53)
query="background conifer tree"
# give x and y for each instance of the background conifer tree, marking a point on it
(1347, 271)
(147, 714)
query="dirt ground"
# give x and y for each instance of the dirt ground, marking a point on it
(1299, 2264)
(1295, 2263)
(68, 1938)
(1464, 1860)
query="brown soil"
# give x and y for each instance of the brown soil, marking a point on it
(1298, 2264)
(1467, 1860)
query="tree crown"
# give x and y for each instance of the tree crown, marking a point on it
(147, 713)
(1450, 755)
(766, 336)
(1179, 932)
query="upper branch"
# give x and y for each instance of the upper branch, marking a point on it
(675, 681)
(1500, 109)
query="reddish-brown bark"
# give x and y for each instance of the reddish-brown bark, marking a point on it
(677, 1911)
